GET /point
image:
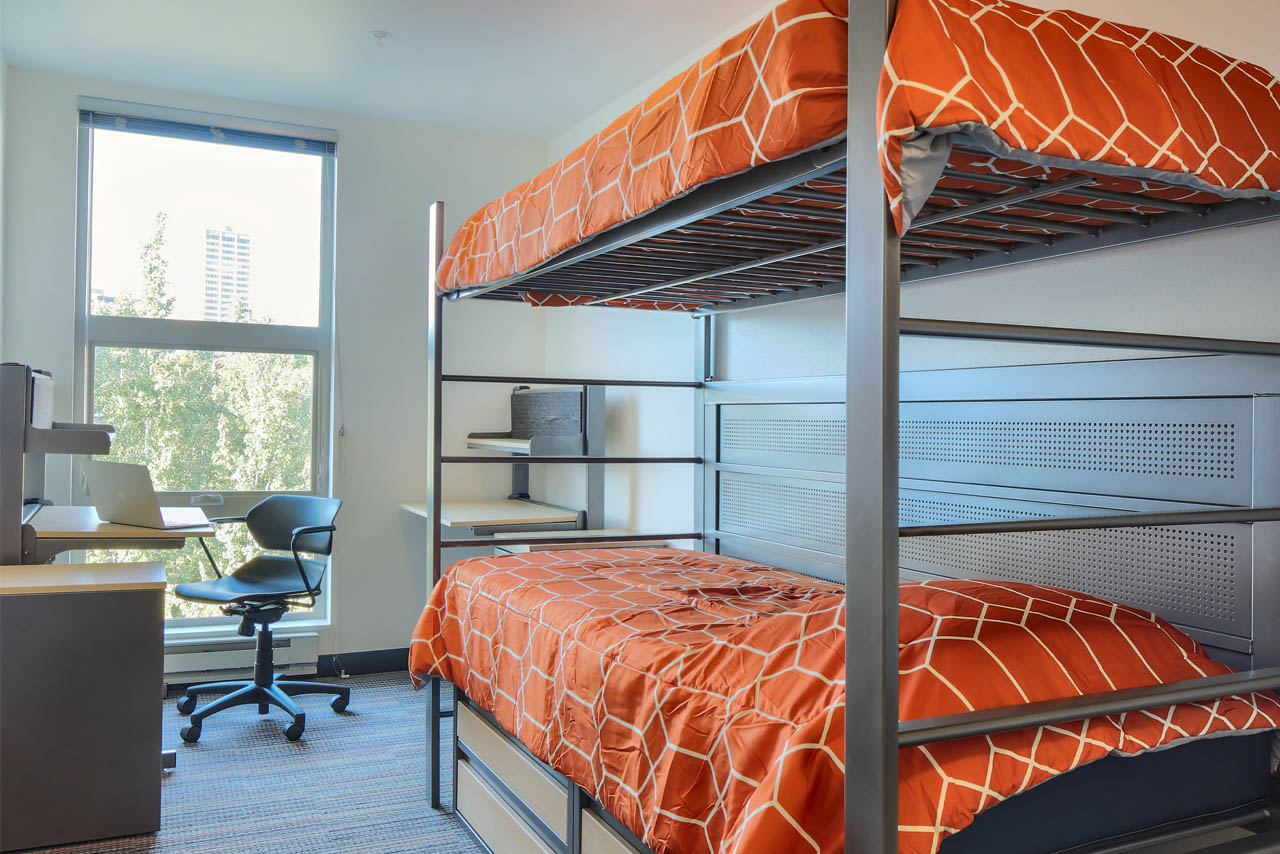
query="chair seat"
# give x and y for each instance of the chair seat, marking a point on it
(263, 577)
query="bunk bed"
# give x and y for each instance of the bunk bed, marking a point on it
(999, 134)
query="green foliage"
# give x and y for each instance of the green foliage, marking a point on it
(202, 421)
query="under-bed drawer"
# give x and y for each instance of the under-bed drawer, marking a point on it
(541, 792)
(491, 818)
(599, 838)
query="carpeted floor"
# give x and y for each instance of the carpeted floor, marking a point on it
(356, 782)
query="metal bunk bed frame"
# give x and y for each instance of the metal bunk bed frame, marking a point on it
(777, 233)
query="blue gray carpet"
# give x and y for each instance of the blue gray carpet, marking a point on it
(356, 782)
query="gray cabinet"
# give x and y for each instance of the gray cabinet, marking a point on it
(81, 670)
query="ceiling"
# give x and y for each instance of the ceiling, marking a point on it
(530, 68)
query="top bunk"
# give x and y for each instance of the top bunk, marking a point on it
(1006, 134)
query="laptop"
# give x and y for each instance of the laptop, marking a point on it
(123, 493)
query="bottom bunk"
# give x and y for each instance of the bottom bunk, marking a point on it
(696, 702)
(513, 802)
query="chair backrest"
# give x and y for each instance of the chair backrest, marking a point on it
(273, 520)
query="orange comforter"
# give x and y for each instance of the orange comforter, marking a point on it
(1057, 88)
(700, 699)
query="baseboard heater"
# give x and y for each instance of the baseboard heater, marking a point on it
(188, 661)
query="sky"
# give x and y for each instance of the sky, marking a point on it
(272, 196)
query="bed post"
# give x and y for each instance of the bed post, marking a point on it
(871, 462)
(435, 367)
(704, 478)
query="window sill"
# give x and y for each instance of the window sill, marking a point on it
(227, 628)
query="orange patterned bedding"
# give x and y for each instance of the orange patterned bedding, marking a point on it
(1054, 88)
(1065, 89)
(700, 699)
(767, 93)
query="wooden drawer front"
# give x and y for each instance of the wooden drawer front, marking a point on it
(539, 790)
(490, 817)
(600, 838)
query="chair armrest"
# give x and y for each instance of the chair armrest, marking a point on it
(222, 520)
(297, 558)
(312, 529)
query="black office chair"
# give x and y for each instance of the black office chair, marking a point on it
(260, 592)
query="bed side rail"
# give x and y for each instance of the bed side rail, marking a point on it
(1007, 718)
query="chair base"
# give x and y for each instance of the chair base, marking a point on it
(263, 691)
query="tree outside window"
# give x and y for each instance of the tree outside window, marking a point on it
(201, 420)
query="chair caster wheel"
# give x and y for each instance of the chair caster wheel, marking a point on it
(339, 703)
(293, 731)
(190, 733)
(186, 705)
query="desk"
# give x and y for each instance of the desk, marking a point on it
(81, 666)
(64, 528)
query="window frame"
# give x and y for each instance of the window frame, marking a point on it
(318, 342)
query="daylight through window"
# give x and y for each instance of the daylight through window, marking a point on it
(206, 315)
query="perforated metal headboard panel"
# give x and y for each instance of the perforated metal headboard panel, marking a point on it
(807, 514)
(1197, 576)
(795, 436)
(1190, 449)
(1195, 450)
(1185, 449)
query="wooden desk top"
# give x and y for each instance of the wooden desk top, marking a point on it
(417, 508)
(506, 511)
(79, 522)
(80, 578)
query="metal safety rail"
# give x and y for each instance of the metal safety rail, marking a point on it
(1044, 713)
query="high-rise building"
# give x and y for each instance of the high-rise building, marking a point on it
(226, 274)
(101, 302)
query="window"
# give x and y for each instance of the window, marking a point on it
(205, 315)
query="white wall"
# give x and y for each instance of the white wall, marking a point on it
(616, 343)
(388, 172)
(578, 133)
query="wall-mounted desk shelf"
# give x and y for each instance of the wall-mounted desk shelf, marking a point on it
(507, 511)
(495, 513)
(549, 421)
(511, 446)
(556, 424)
